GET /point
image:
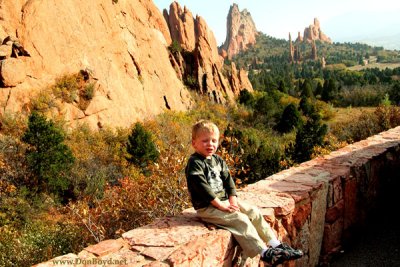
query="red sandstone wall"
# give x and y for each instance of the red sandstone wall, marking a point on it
(314, 206)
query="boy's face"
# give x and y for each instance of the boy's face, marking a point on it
(206, 143)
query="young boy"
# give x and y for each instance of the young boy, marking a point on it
(213, 196)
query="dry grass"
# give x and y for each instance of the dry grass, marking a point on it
(380, 66)
(342, 115)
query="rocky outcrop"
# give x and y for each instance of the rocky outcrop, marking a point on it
(241, 32)
(311, 34)
(200, 59)
(291, 49)
(314, 32)
(314, 55)
(181, 26)
(294, 50)
(123, 44)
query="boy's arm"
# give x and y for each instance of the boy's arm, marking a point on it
(233, 201)
(223, 206)
(229, 184)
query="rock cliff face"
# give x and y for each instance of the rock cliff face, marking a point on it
(241, 32)
(123, 45)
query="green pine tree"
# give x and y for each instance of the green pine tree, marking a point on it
(48, 157)
(141, 147)
(290, 119)
(311, 134)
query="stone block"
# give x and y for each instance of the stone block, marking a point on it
(335, 212)
(105, 247)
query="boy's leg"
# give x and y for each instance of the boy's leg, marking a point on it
(263, 228)
(239, 225)
(266, 233)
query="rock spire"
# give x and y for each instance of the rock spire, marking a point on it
(241, 32)
(200, 59)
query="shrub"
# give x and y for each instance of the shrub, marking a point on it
(38, 242)
(361, 96)
(306, 106)
(265, 110)
(101, 161)
(264, 162)
(67, 88)
(387, 117)
(290, 119)
(48, 157)
(251, 154)
(88, 92)
(43, 101)
(311, 134)
(394, 93)
(356, 130)
(191, 82)
(246, 98)
(141, 147)
(175, 47)
(76, 88)
(13, 163)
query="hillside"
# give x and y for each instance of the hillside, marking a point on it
(268, 48)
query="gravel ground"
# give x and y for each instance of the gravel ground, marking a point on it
(379, 245)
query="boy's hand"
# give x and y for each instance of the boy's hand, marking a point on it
(230, 208)
(224, 206)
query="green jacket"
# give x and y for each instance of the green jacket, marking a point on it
(208, 179)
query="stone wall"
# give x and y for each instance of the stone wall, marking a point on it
(315, 206)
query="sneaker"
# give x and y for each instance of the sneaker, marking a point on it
(273, 256)
(290, 253)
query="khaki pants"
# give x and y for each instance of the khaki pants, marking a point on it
(247, 226)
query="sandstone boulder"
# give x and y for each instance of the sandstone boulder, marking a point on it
(12, 72)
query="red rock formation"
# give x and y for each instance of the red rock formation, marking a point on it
(313, 50)
(208, 63)
(123, 44)
(241, 32)
(181, 26)
(299, 38)
(314, 32)
(291, 50)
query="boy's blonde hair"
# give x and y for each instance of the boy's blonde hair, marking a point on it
(204, 126)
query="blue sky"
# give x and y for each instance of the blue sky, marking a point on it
(342, 20)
